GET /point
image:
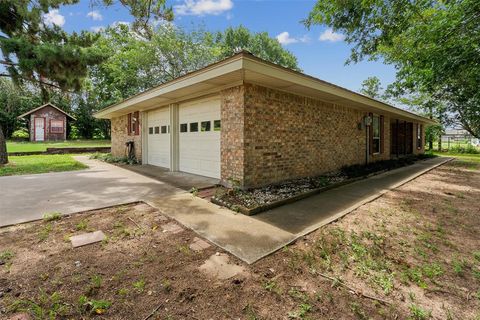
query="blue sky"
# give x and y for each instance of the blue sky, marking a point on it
(320, 52)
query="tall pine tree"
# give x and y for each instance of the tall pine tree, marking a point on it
(47, 56)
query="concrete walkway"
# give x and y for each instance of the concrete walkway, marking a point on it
(311, 213)
(252, 238)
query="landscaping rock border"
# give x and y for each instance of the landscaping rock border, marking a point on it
(272, 205)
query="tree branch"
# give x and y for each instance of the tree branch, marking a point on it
(36, 80)
(9, 63)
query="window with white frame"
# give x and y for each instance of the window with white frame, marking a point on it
(419, 136)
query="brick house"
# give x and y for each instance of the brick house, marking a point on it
(47, 123)
(257, 123)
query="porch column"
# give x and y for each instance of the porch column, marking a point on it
(174, 137)
(144, 136)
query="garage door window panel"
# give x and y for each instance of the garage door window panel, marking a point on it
(206, 126)
(194, 127)
(164, 129)
(217, 125)
(150, 130)
(157, 130)
(183, 127)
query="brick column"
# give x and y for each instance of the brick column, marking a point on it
(232, 146)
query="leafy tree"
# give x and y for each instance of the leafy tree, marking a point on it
(136, 64)
(432, 108)
(372, 87)
(260, 44)
(433, 44)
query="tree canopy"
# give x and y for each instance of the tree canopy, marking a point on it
(260, 44)
(434, 46)
(135, 64)
(90, 71)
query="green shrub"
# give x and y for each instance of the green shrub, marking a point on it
(468, 149)
(21, 134)
(361, 170)
(74, 133)
(52, 216)
(108, 157)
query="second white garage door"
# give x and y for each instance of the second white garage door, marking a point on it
(199, 138)
(159, 137)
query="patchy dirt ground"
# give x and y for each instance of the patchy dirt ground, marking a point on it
(417, 248)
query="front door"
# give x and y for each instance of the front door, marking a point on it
(39, 129)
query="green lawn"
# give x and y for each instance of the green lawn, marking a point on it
(461, 156)
(40, 164)
(42, 146)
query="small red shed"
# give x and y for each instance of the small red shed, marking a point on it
(47, 123)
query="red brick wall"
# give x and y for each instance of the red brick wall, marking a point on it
(120, 136)
(232, 146)
(49, 113)
(286, 136)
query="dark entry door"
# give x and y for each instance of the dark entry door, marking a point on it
(401, 138)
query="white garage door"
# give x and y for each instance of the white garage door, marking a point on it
(199, 138)
(159, 137)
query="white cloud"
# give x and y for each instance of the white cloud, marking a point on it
(203, 7)
(285, 38)
(330, 35)
(97, 28)
(95, 15)
(53, 17)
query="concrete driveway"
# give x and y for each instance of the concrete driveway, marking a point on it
(29, 197)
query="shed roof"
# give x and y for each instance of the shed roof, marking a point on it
(245, 67)
(48, 104)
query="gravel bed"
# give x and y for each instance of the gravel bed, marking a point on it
(261, 196)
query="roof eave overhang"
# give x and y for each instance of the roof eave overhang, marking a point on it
(327, 91)
(211, 79)
(247, 68)
(43, 106)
